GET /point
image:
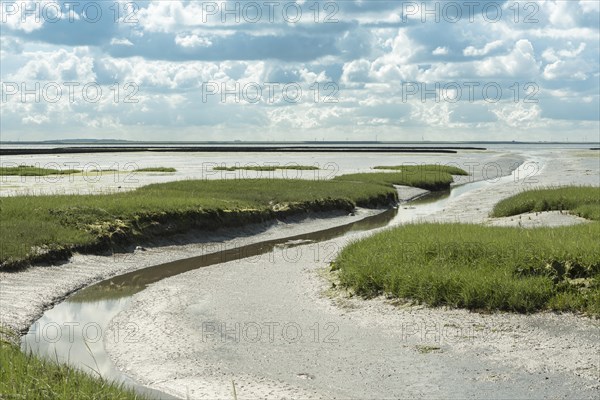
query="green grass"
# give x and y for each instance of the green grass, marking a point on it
(43, 228)
(24, 376)
(426, 349)
(432, 168)
(417, 177)
(486, 268)
(30, 170)
(268, 168)
(156, 169)
(583, 201)
(57, 222)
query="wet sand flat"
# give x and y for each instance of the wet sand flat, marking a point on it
(277, 329)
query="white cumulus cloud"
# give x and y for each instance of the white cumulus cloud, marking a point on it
(472, 51)
(192, 41)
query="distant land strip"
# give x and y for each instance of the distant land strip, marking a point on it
(235, 149)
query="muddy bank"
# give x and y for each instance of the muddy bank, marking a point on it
(25, 294)
(278, 328)
(122, 235)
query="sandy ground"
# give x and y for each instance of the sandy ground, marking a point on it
(277, 329)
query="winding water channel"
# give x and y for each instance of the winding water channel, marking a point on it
(73, 330)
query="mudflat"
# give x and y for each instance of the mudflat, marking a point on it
(278, 328)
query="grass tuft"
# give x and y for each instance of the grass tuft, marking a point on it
(30, 170)
(431, 168)
(424, 179)
(156, 169)
(269, 168)
(583, 201)
(486, 268)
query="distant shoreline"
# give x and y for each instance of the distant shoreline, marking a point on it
(409, 143)
(235, 149)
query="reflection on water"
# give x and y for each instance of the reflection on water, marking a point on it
(74, 333)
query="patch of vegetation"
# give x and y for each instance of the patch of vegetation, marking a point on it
(155, 169)
(31, 170)
(268, 168)
(479, 267)
(426, 349)
(24, 376)
(38, 228)
(421, 178)
(487, 268)
(583, 201)
(430, 168)
(48, 228)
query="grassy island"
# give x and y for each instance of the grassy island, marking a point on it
(488, 268)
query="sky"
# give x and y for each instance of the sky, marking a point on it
(300, 70)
